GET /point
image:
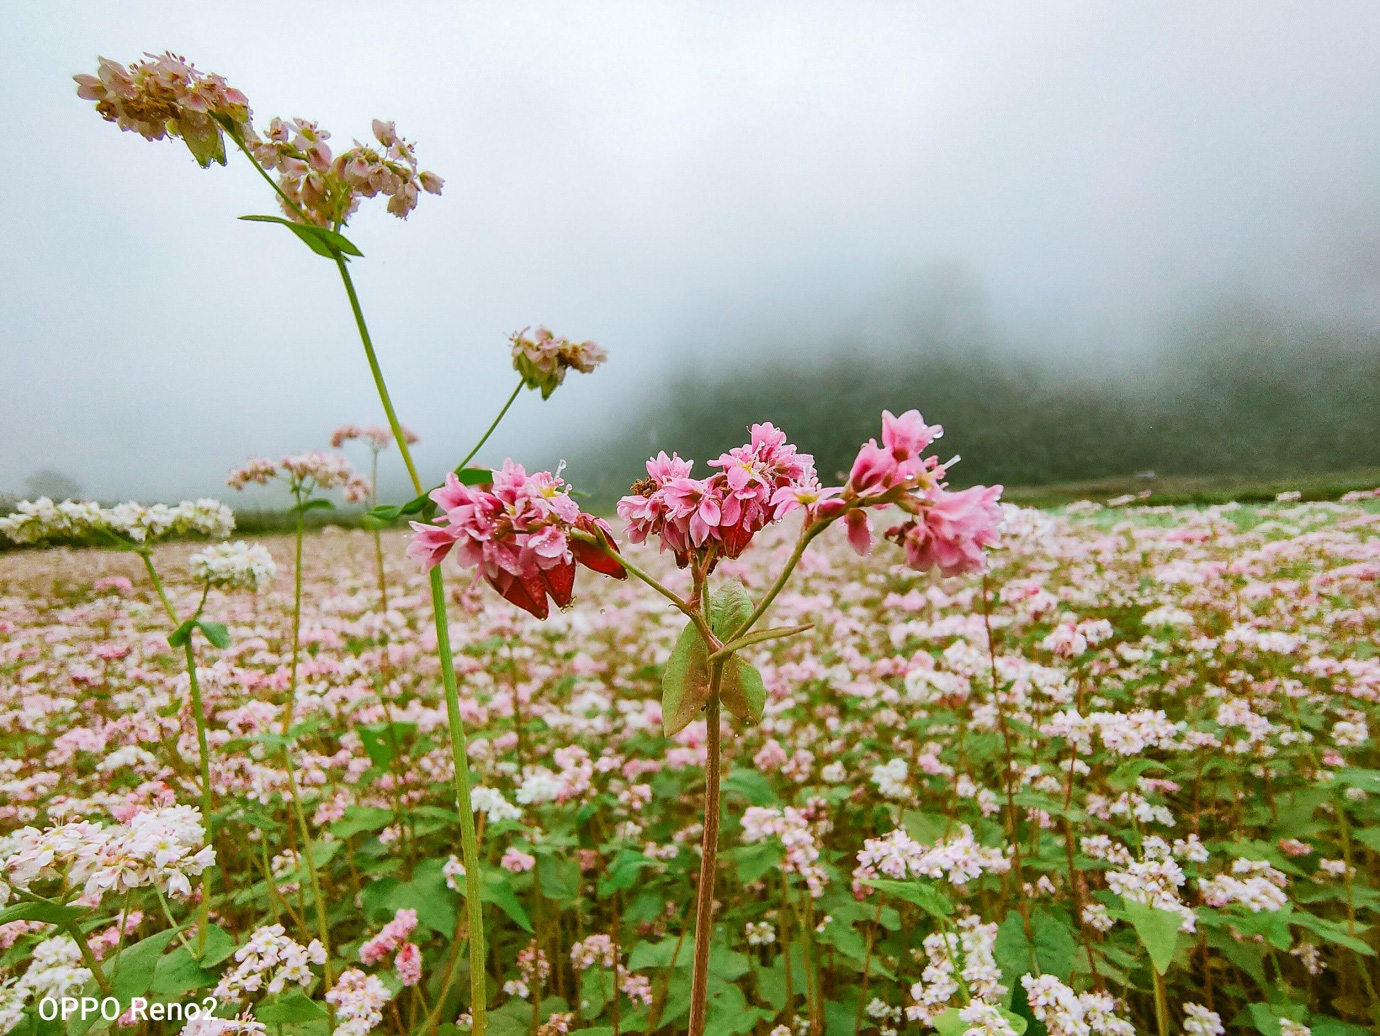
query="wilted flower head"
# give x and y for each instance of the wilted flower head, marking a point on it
(304, 472)
(516, 531)
(376, 436)
(542, 358)
(166, 96)
(234, 566)
(328, 188)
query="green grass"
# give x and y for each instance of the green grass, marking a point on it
(1202, 489)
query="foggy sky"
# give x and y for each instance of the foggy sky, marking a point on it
(681, 182)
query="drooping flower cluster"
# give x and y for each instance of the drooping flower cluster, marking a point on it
(269, 963)
(517, 532)
(391, 941)
(234, 566)
(166, 96)
(328, 188)
(304, 472)
(1253, 883)
(720, 514)
(542, 358)
(358, 1000)
(376, 436)
(158, 848)
(37, 521)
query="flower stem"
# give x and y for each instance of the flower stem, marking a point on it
(88, 958)
(204, 908)
(479, 445)
(709, 862)
(807, 534)
(469, 842)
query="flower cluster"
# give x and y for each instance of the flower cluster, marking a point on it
(959, 859)
(718, 516)
(542, 358)
(1253, 883)
(158, 848)
(391, 941)
(961, 959)
(517, 531)
(327, 188)
(269, 963)
(791, 827)
(1066, 1013)
(166, 96)
(234, 566)
(376, 436)
(304, 473)
(37, 521)
(358, 1000)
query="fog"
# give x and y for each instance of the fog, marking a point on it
(688, 184)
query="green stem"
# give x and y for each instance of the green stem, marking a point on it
(204, 908)
(695, 615)
(479, 445)
(807, 534)
(469, 842)
(709, 862)
(88, 957)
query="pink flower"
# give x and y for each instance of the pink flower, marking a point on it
(516, 531)
(408, 964)
(515, 861)
(952, 531)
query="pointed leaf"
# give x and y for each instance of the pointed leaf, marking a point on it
(322, 241)
(215, 632)
(685, 684)
(742, 691)
(1158, 931)
(926, 897)
(758, 636)
(729, 608)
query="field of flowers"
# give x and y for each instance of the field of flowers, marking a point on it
(1123, 782)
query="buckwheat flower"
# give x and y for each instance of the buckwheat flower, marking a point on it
(543, 358)
(234, 566)
(166, 96)
(1292, 1028)
(1253, 883)
(515, 861)
(358, 1000)
(759, 933)
(983, 1019)
(407, 965)
(594, 951)
(270, 962)
(516, 531)
(1199, 1021)
(390, 937)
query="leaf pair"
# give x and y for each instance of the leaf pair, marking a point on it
(688, 681)
(215, 632)
(424, 505)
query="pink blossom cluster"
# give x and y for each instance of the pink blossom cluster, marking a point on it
(959, 859)
(542, 358)
(328, 188)
(516, 531)
(1253, 883)
(959, 960)
(166, 96)
(377, 436)
(304, 472)
(358, 1000)
(719, 515)
(791, 827)
(391, 941)
(1066, 1013)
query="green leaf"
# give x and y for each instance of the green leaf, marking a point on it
(383, 513)
(757, 859)
(926, 897)
(319, 503)
(179, 972)
(685, 684)
(323, 242)
(758, 636)
(203, 139)
(133, 970)
(358, 819)
(659, 954)
(48, 913)
(474, 476)
(751, 785)
(729, 608)
(742, 691)
(1158, 931)
(295, 1007)
(1332, 931)
(379, 740)
(1366, 780)
(496, 889)
(182, 634)
(215, 632)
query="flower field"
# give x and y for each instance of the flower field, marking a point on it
(1121, 782)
